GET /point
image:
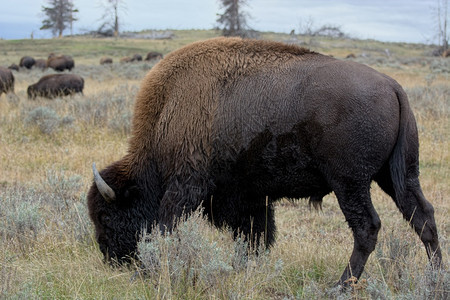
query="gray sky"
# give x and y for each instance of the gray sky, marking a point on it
(385, 20)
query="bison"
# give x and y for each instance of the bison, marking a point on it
(237, 121)
(6, 81)
(152, 55)
(136, 57)
(41, 63)
(126, 59)
(56, 85)
(14, 67)
(60, 62)
(106, 60)
(27, 62)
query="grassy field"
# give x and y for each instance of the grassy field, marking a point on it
(47, 246)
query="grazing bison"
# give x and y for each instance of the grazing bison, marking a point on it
(126, 59)
(446, 53)
(6, 81)
(237, 120)
(56, 85)
(136, 57)
(27, 62)
(60, 63)
(41, 63)
(153, 56)
(14, 67)
(106, 60)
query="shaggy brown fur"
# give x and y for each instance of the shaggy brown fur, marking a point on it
(202, 63)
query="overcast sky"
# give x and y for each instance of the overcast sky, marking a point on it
(385, 20)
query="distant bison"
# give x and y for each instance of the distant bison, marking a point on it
(136, 57)
(56, 85)
(234, 125)
(6, 81)
(153, 55)
(126, 59)
(106, 60)
(27, 62)
(446, 53)
(14, 67)
(60, 63)
(41, 63)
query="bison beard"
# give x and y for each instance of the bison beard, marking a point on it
(242, 120)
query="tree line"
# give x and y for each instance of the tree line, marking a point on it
(60, 15)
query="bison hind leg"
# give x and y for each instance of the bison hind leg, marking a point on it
(416, 210)
(356, 205)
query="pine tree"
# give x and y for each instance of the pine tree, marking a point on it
(60, 15)
(234, 20)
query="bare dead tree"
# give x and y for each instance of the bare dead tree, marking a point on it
(441, 16)
(111, 19)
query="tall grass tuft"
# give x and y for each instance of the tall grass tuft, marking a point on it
(188, 255)
(197, 257)
(46, 119)
(20, 216)
(396, 258)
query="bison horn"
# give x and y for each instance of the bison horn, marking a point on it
(105, 190)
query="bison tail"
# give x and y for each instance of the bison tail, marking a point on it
(397, 162)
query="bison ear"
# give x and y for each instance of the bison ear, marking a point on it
(105, 190)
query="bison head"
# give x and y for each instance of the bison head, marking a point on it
(31, 92)
(120, 211)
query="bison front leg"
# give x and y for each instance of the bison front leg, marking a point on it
(249, 217)
(256, 224)
(180, 199)
(362, 218)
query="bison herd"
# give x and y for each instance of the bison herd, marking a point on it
(151, 56)
(57, 62)
(48, 86)
(56, 85)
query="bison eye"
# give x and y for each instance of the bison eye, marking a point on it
(104, 218)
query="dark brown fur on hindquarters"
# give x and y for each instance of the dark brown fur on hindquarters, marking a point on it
(241, 120)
